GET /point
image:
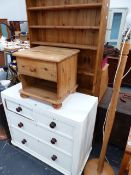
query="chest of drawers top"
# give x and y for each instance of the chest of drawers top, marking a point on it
(75, 108)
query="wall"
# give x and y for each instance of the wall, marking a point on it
(14, 10)
(122, 4)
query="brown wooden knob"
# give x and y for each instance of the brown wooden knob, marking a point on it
(52, 125)
(24, 141)
(32, 69)
(20, 125)
(53, 141)
(19, 109)
(54, 157)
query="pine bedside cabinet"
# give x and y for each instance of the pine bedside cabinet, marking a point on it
(48, 73)
(60, 138)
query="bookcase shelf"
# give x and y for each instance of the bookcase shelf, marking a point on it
(86, 73)
(79, 46)
(68, 7)
(65, 27)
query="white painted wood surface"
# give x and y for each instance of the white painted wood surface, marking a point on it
(73, 132)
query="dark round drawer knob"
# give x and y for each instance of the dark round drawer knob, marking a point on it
(53, 141)
(20, 125)
(52, 124)
(24, 141)
(32, 69)
(19, 109)
(54, 157)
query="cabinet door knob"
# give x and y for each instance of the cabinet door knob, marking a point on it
(54, 157)
(52, 124)
(20, 125)
(19, 109)
(24, 141)
(53, 141)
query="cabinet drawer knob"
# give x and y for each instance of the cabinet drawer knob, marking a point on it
(20, 125)
(19, 109)
(24, 141)
(52, 124)
(32, 69)
(53, 141)
(54, 157)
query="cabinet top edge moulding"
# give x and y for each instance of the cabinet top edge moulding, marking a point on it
(49, 54)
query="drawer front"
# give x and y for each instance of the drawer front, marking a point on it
(55, 156)
(38, 69)
(44, 134)
(55, 125)
(19, 109)
(52, 155)
(56, 140)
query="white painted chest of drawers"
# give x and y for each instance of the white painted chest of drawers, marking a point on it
(61, 138)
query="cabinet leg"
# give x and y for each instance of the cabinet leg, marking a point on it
(24, 96)
(124, 163)
(129, 169)
(3, 135)
(57, 106)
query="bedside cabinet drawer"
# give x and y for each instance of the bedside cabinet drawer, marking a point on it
(51, 122)
(39, 132)
(19, 109)
(37, 68)
(30, 143)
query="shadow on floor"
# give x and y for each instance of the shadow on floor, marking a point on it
(14, 161)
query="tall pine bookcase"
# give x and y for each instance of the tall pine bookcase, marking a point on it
(77, 24)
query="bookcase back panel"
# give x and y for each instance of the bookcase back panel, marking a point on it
(85, 82)
(66, 18)
(86, 59)
(37, 34)
(67, 36)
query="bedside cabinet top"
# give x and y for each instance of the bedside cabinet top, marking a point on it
(75, 107)
(45, 53)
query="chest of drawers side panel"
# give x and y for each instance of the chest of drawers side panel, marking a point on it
(83, 136)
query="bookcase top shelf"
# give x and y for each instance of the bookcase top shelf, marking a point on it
(72, 6)
(50, 54)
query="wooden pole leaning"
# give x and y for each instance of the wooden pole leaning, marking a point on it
(99, 166)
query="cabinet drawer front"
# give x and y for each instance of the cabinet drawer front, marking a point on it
(23, 139)
(44, 134)
(38, 69)
(56, 140)
(55, 125)
(19, 109)
(53, 156)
